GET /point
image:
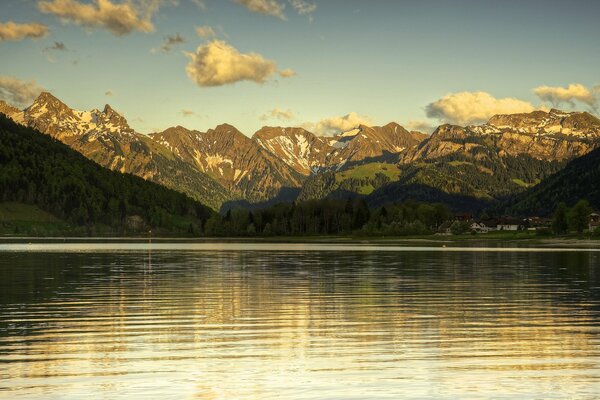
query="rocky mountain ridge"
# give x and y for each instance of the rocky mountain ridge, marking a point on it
(553, 135)
(106, 138)
(222, 164)
(235, 161)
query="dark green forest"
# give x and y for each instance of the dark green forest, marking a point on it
(330, 217)
(580, 179)
(37, 169)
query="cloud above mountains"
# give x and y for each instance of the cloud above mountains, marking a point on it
(334, 125)
(12, 31)
(557, 95)
(466, 108)
(118, 18)
(17, 91)
(217, 63)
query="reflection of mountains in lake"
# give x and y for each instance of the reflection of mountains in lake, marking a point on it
(259, 324)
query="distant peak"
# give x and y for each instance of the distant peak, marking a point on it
(225, 126)
(46, 95)
(228, 128)
(48, 98)
(108, 110)
(48, 101)
(178, 129)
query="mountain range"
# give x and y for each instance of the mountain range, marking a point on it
(465, 167)
(40, 175)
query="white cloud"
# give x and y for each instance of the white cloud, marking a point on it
(217, 63)
(118, 18)
(17, 91)
(205, 31)
(335, 125)
(474, 107)
(277, 114)
(13, 31)
(559, 95)
(267, 7)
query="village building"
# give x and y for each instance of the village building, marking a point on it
(484, 226)
(510, 224)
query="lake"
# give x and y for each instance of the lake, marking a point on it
(297, 321)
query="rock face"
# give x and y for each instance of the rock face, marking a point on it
(303, 151)
(372, 143)
(308, 153)
(235, 161)
(552, 136)
(106, 138)
(8, 110)
(508, 153)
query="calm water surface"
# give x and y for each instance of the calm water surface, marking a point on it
(297, 322)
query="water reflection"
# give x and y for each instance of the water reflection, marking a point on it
(300, 324)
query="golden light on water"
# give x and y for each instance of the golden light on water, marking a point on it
(302, 325)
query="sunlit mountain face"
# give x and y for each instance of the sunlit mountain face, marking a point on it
(221, 166)
(251, 102)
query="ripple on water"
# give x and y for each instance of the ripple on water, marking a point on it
(300, 323)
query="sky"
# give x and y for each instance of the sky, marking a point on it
(326, 65)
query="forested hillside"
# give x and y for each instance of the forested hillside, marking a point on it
(580, 179)
(39, 170)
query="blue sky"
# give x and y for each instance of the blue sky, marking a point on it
(414, 62)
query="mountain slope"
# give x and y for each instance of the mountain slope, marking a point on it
(507, 155)
(223, 167)
(106, 138)
(580, 179)
(377, 143)
(236, 162)
(472, 166)
(553, 135)
(303, 151)
(37, 169)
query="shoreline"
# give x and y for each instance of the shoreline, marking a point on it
(420, 241)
